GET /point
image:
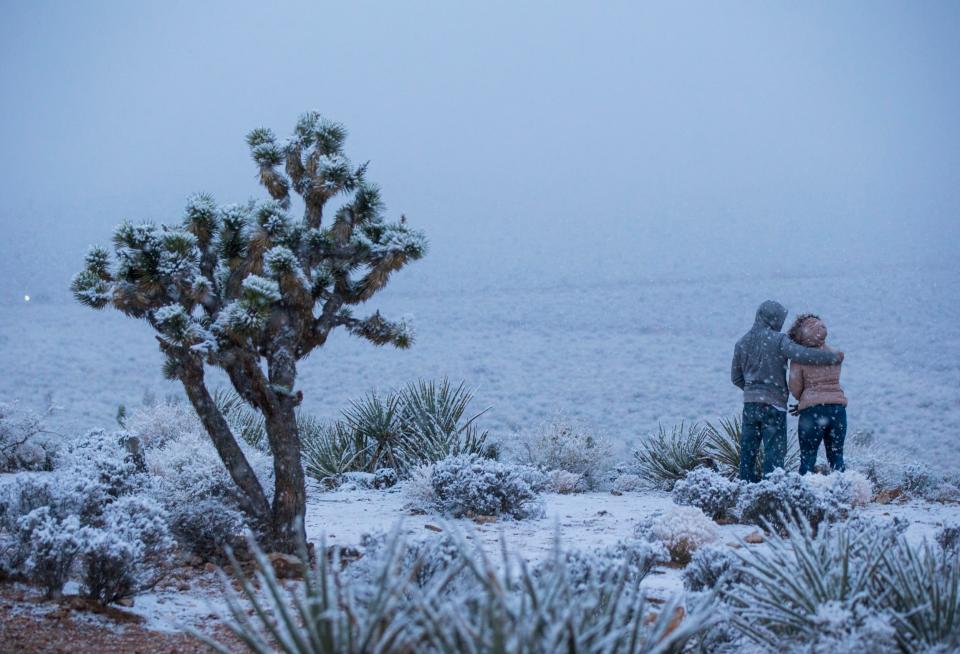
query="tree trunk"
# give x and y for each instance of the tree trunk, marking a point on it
(289, 495)
(223, 440)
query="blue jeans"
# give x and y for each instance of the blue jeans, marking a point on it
(762, 423)
(822, 422)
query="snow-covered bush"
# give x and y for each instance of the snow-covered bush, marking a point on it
(948, 537)
(159, 423)
(632, 559)
(418, 489)
(187, 469)
(849, 488)
(569, 447)
(709, 566)
(785, 494)
(709, 491)
(666, 457)
(122, 554)
(563, 482)
(24, 443)
(474, 486)
(385, 478)
(207, 527)
(100, 457)
(627, 483)
(49, 545)
(682, 530)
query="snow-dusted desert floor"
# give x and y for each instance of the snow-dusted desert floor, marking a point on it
(618, 357)
(584, 521)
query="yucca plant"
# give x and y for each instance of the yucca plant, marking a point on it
(922, 586)
(375, 420)
(667, 456)
(787, 586)
(435, 423)
(330, 450)
(517, 610)
(493, 608)
(244, 421)
(321, 616)
(723, 447)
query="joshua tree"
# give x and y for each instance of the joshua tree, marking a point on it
(250, 290)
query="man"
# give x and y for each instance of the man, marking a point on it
(760, 369)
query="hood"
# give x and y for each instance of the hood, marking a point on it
(771, 314)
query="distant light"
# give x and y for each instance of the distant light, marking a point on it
(26, 298)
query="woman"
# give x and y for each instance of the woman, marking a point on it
(822, 404)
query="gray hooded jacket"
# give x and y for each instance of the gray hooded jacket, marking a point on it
(761, 355)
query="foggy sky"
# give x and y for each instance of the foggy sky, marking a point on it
(533, 142)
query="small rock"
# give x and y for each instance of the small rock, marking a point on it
(754, 538)
(432, 527)
(603, 512)
(285, 566)
(616, 492)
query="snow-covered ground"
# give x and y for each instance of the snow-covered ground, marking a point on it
(620, 357)
(584, 521)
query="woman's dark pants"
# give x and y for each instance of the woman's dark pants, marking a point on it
(762, 423)
(822, 422)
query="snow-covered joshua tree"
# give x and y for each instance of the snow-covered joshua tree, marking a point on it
(251, 290)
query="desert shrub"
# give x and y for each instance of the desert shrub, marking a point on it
(918, 479)
(124, 553)
(100, 457)
(627, 483)
(666, 457)
(158, 423)
(207, 527)
(187, 469)
(948, 537)
(712, 566)
(631, 560)
(681, 531)
(25, 444)
(473, 486)
(563, 482)
(568, 447)
(709, 491)
(418, 489)
(50, 546)
(722, 448)
(494, 607)
(385, 478)
(815, 498)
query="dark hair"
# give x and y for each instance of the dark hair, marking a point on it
(794, 332)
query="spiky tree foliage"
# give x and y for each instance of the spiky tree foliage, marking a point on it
(252, 290)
